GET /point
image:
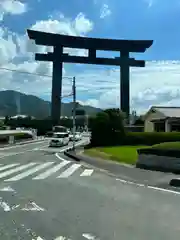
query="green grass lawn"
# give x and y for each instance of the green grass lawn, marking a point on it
(124, 154)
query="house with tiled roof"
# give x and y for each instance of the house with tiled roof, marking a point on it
(162, 119)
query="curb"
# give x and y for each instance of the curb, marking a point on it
(72, 154)
(175, 182)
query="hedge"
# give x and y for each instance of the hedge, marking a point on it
(133, 138)
(21, 136)
(149, 138)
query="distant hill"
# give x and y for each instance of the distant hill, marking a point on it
(13, 102)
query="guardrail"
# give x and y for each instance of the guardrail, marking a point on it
(13, 132)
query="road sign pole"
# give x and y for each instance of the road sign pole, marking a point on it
(74, 111)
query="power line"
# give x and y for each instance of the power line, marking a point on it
(24, 72)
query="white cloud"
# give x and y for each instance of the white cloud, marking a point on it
(7, 48)
(82, 24)
(11, 7)
(156, 84)
(14, 54)
(105, 11)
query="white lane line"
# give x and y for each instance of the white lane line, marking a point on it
(87, 172)
(69, 171)
(5, 206)
(29, 172)
(60, 158)
(32, 206)
(8, 166)
(7, 189)
(163, 190)
(148, 186)
(52, 170)
(9, 172)
(89, 236)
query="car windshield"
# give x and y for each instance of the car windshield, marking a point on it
(59, 135)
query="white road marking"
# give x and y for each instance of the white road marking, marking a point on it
(69, 171)
(89, 236)
(5, 206)
(38, 238)
(62, 238)
(15, 206)
(164, 190)
(87, 172)
(7, 189)
(8, 166)
(9, 172)
(52, 170)
(148, 186)
(32, 206)
(60, 158)
(29, 172)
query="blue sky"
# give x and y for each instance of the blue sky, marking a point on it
(156, 84)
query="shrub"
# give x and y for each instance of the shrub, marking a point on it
(147, 138)
(133, 138)
(21, 136)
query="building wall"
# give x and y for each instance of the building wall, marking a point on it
(148, 125)
(134, 128)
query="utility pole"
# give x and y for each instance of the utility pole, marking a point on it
(87, 122)
(74, 110)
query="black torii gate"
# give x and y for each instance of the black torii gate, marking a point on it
(59, 41)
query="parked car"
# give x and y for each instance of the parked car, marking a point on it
(59, 139)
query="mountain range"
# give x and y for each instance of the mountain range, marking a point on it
(14, 102)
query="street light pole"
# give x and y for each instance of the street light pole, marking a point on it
(74, 111)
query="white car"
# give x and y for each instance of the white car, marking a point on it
(77, 137)
(59, 139)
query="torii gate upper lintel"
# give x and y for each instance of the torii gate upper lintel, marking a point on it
(59, 41)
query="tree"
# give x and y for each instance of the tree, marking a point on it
(139, 121)
(107, 127)
(6, 120)
(116, 119)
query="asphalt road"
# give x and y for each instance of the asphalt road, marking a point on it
(46, 196)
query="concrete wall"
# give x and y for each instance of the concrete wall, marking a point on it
(148, 125)
(148, 161)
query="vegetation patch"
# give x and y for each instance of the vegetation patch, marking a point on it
(123, 154)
